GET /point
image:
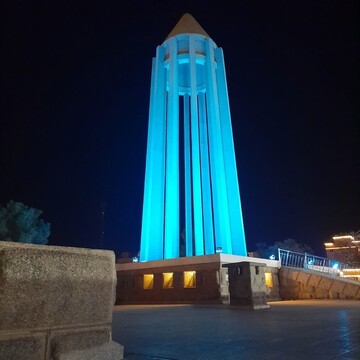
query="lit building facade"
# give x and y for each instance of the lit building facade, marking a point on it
(345, 249)
(191, 183)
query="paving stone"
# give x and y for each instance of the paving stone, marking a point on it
(296, 330)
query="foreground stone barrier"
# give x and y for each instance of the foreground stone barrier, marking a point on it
(56, 303)
(309, 284)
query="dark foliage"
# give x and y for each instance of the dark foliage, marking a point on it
(20, 223)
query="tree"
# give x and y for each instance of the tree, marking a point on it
(20, 223)
(265, 251)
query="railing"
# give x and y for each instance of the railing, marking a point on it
(311, 262)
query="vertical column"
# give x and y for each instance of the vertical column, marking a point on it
(205, 179)
(188, 191)
(172, 232)
(152, 231)
(221, 211)
(197, 199)
(232, 185)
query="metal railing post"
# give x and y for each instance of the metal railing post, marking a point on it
(287, 257)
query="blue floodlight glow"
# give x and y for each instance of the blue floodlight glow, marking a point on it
(189, 70)
(335, 266)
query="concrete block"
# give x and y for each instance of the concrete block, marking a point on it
(55, 286)
(288, 294)
(334, 295)
(303, 277)
(65, 341)
(289, 287)
(247, 285)
(357, 296)
(109, 351)
(306, 291)
(322, 293)
(338, 286)
(284, 271)
(326, 283)
(350, 290)
(293, 274)
(26, 347)
(314, 280)
(276, 279)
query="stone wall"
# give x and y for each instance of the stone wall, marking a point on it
(308, 284)
(56, 302)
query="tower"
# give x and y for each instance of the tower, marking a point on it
(190, 138)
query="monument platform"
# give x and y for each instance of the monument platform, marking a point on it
(195, 279)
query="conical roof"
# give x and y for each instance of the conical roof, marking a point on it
(187, 24)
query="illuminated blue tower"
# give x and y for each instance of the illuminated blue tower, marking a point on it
(189, 112)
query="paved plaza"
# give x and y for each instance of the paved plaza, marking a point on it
(304, 329)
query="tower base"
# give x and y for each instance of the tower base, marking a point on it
(186, 280)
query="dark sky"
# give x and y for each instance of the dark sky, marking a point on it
(75, 95)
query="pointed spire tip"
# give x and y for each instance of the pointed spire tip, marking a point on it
(187, 24)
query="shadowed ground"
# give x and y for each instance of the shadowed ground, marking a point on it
(303, 329)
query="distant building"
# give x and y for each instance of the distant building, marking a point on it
(345, 249)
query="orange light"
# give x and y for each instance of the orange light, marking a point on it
(189, 279)
(342, 247)
(329, 244)
(168, 280)
(346, 270)
(343, 237)
(269, 280)
(148, 281)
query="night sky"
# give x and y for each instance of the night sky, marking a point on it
(75, 98)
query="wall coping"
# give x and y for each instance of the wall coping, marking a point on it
(195, 260)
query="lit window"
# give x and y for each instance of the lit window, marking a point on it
(189, 279)
(168, 280)
(269, 280)
(148, 281)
